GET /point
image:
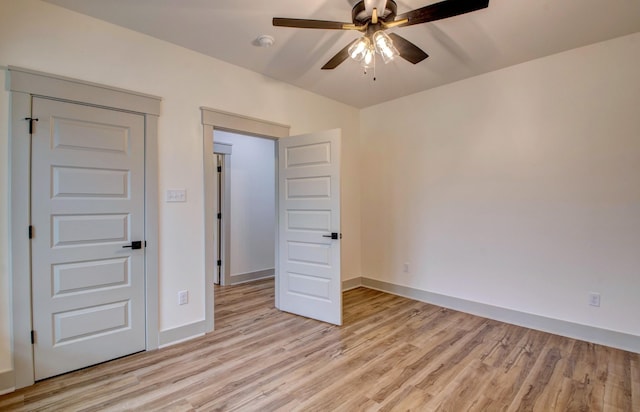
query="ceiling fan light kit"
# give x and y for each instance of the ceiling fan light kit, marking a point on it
(384, 46)
(373, 17)
(359, 49)
(363, 50)
(369, 59)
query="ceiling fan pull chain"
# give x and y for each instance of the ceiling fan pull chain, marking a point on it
(374, 67)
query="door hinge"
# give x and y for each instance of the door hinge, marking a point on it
(30, 232)
(219, 263)
(31, 120)
(219, 215)
(145, 243)
(33, 337)
(219, 169)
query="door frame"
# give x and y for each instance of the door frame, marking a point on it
(213, 119)
(223, 151)
(23, 85)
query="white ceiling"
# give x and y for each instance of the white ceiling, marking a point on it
(506, 33)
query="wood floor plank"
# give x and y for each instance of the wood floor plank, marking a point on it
(510, 376)
(635, 381)
(469, 385)
(339, 392)
(545, 392)
(391, 354)
(618, 392)
(586, 374)
(448, 366)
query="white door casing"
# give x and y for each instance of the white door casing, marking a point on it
(87, 203)
(308, 213)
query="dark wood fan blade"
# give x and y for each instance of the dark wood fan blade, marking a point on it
(442, 10)
(408, 51)
(341, 56)
(310, 24)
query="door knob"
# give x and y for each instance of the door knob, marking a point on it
(136, 244)
(333, 235)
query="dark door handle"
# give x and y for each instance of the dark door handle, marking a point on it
(334, 236)
(136, 244)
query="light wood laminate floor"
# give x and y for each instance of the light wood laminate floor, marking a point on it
(391, 354)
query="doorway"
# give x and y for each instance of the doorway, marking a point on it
(308, 220)
(71, 180)
(246, 207)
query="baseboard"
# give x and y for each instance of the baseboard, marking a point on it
(251, 276)
(351, 283)
(592, 334)
(182, 333)
(7, 381)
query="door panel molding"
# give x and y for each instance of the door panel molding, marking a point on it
(23, 84)
(221, 120)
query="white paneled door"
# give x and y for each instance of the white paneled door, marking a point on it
(87, 211)
(309, 226)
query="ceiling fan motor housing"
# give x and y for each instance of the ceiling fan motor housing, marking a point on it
(360, 17)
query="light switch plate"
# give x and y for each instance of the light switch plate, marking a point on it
(176, 195)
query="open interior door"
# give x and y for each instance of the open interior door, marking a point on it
(308, 265)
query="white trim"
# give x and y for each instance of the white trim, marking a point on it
(20, 147)
(225, 238)
(587, 333)
(151, 235)
(65, 88)
(351, 284)
(182, 333)
(276, 211)
(251, 276)
(210, 210)
(23, 84)
(222, 148)
(7, 382)
(220, 120)
(243, 124)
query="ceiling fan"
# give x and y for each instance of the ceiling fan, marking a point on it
(372, 18)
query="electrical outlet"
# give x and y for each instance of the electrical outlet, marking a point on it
(183, 297)
(594, 299)
(176, 195)
(405, 267)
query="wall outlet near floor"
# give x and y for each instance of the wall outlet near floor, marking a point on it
(176, 195)
(405, 267)
(594, 299)
(183, 297)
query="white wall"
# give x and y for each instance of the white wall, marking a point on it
(48, 38)
(518, 188)
(252, 199)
